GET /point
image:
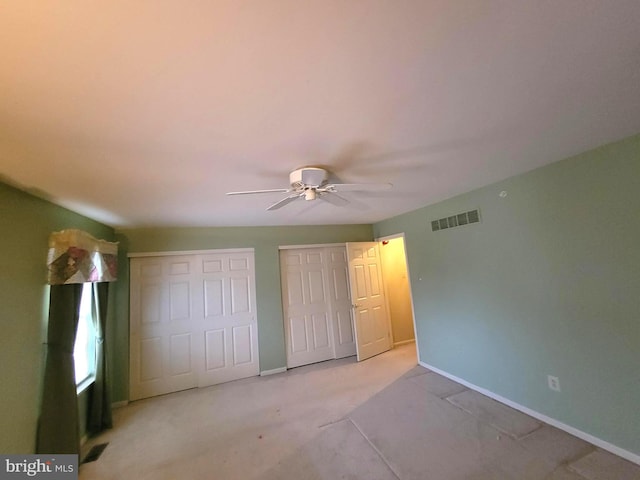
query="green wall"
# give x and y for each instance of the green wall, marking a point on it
(547, 283)
(265, 241)
(25, 223)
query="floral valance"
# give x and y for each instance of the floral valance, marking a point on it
(77, 257)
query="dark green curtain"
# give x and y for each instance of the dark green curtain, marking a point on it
(58, 430)
(100, 404)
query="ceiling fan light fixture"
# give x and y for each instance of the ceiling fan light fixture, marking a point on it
(313, 182)
(310, 176)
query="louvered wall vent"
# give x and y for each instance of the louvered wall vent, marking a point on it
(472, 216)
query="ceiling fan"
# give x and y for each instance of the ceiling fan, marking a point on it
(312, 183)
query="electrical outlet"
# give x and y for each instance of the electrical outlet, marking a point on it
(554, 383)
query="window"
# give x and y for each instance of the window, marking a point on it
(84, 350)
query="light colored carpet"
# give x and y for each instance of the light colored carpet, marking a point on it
(384, 418)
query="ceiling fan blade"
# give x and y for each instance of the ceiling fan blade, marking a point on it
(334, 199)
(358, 187)
(250, 192)
(284, 201)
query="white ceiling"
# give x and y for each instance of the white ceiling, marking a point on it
(144, 113)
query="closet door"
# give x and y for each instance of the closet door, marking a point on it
(192, 321)
(228, 323)
(339, 302)
(307, 311)
(162, 334)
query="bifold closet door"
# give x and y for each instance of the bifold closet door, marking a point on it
(340, 302)
(192, 321)
(309, 335)
(162, 337)
(229, 325)
(316, 305)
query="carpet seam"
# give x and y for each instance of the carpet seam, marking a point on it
(374, 448)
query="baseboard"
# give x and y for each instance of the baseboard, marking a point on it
(598, 442)
(404, 342)
(264, 373)
(120, 404)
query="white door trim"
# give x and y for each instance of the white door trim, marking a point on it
(190, 252)
(314, 245)
(390, 237)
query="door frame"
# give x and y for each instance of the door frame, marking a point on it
(169, 253)
(311, 245)
(406, 259)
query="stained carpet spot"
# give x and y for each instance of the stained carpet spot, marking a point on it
(95, 453)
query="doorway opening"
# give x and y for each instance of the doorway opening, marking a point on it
(397, 285)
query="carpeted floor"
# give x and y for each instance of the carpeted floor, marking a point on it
(384, 418)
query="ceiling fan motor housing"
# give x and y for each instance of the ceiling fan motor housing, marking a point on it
(308, 177)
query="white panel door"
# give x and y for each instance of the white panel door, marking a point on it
(308, 329)
(162, 335)
(339, 301)
(192, 321)
(229, 321)
(371, 321)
